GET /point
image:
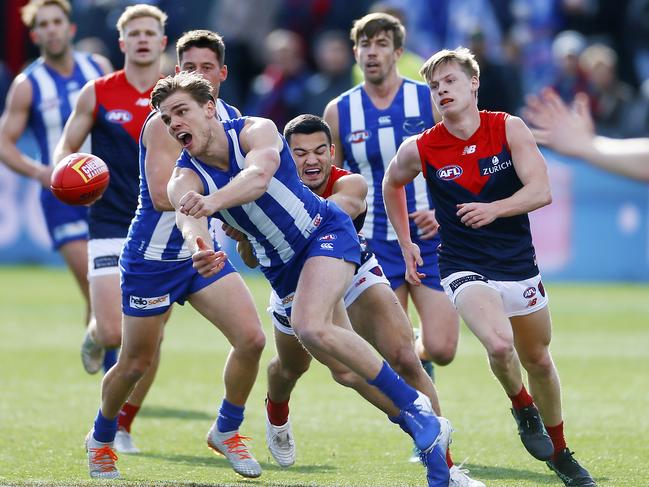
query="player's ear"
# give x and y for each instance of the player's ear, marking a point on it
(177, 69)
(332, 151)
(223, 73)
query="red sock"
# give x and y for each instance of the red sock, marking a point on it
(277, 412)
(449, 460)
(126, 416)
(556, 435)
(522, 399)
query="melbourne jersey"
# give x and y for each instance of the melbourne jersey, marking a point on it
(280, 222)
(370, 138)
(120, 112)
(478, 169)
(153, 235)
(53, 98)
(335, 174)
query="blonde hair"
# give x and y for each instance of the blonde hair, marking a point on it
(462, 56)
(191, 83)
(138, 11)
(29, 11)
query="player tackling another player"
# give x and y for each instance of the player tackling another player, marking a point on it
(485, 173)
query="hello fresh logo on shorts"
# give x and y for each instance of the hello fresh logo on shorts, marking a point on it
(149, 303)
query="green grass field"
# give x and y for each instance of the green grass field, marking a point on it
(47, 401)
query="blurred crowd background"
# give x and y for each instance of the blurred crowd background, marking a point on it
(287, 57)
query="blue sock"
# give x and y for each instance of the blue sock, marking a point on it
(105, 429)
(393, 386)
(110, 358)
(230, 417)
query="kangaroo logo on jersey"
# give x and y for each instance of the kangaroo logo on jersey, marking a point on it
(119, 116)
(358, 136)
(449, 173)
(414, 125)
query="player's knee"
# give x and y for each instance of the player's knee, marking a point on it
(404, 361)
(251, 343)
(288, 371)
(500, 350)
(313, 337)
(109, 337)
(442, 355)
(134, 367)
(345, 377)
(539, 364)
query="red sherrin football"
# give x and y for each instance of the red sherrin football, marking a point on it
(80, 179)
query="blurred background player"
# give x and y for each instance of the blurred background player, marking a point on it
(113, 109)
(41, 99)
(485, 174)
(368, 123)
(156, 269)
(374, 310)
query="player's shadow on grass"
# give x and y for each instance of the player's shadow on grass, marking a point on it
(542, 477)
(212, 460)
(173, 413)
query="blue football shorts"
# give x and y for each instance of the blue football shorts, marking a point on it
(65, 223)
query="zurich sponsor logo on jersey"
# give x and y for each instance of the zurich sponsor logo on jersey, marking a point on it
(492, 165)
(449, 173)
(329, 236)
(530, 292)
(119, 116)
(358, 136)
(414, 125)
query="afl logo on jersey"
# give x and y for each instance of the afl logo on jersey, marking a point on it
(530, 292)
(119, 116)
(358, 136)
(413, 126)
(449, 173)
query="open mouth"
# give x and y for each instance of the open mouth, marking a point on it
(312, 171)
(143, 50)
(445, 101)
(184, 138)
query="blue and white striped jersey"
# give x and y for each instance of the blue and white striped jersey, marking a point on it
(370, 138)
(279, 223)
(153, 235)
(54, 97)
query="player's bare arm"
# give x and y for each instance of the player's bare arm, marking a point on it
(331, 117)
(571, 131)
(12, 125)
(403, 168)
(79, 124)
(244, 247)
(531, 169)
(349, 193)
(194, 230)
(262, 144)
(162, 150)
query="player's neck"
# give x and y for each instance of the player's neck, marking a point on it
(63, 64)
(217, 153)
(142, 77)
(384, 92)
(464, 124)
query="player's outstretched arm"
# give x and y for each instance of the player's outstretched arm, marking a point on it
(331, 117)
(12, 125)
(570, 131)
(262, 144)
(531, 169)
(162, 151)
(79, 124)
(194, 230)
(403, 168)
(349, 192)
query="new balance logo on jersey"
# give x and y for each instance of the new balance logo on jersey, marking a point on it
(448, 173)
(469, 149)
(142, 102)
(149, 303)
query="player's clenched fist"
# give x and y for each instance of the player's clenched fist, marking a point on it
(196, 205)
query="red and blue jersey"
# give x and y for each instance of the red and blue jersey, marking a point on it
(478, 169)
(120, 112)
